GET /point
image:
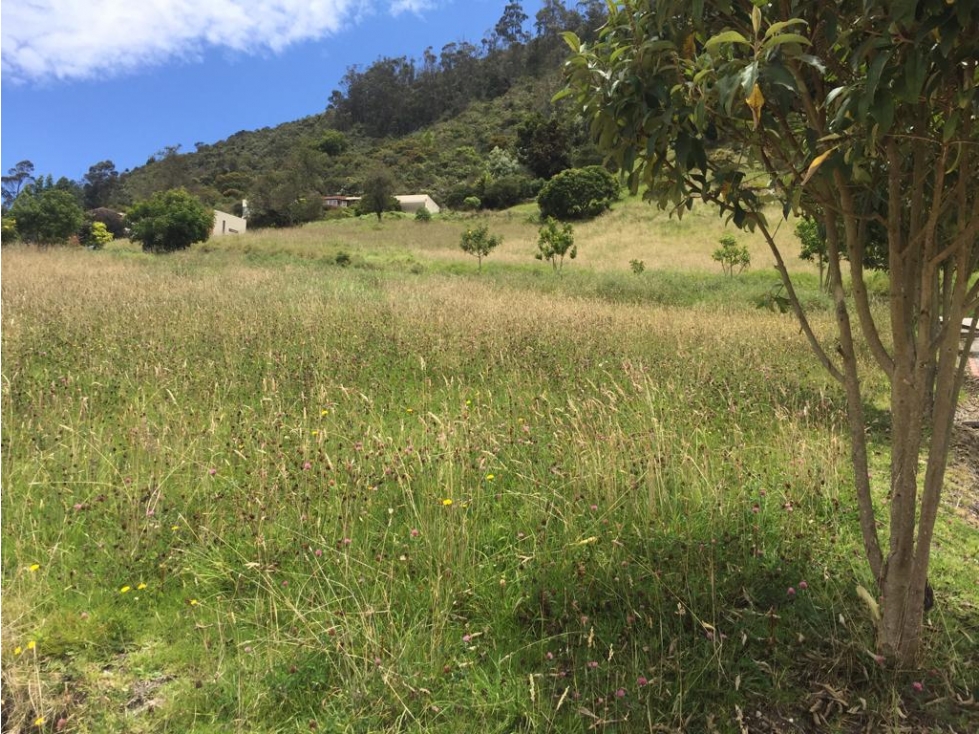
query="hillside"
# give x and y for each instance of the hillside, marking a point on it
(432, 123)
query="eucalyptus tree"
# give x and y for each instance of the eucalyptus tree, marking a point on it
(861, 115)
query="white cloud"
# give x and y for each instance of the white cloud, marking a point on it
(81, 39)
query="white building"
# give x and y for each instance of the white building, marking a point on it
(411, 203)
(225, 223)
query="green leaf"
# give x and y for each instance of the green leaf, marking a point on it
(785, 38)
(776, 28)
(572, 40)
(950, 126)
(902, 11)
(726, 37)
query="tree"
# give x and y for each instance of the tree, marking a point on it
(859, 114)
(101, 185)
(734, 258)
(169, 221)
(554, 244)
(578, 193)
(378, 191)
(46, 217)
(509, 29)
(543, 145)
(16, 179)
(479, 242)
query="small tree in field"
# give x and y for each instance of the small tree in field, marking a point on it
(169, 221)
(378, 193)
(479, 242)
(46, 217)
(733, 258)
(554, 244)
(865, 117)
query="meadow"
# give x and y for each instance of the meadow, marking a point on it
(333, 479)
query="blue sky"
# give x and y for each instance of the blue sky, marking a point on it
(89, 80)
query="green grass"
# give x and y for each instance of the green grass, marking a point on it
(398, 496)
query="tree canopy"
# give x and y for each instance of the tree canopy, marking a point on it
(859, 115)
(169, 221)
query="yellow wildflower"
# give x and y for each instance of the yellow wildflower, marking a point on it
(39, 721)
(18, 650)
(31, 645)
(447, 502)
(490, 477)
(125, 589)
(34, 567)
(141, 587)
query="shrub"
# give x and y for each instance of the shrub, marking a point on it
(730, 255)
(472, 203)
(578, 193)
(479, 242)
(637, 266)
(170, 220)
(554, 244)
(94, 235)
(423, 215)
(114, 222)
(501, 193)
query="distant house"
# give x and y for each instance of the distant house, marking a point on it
(340, 202)
(411, 203)
(225, 223)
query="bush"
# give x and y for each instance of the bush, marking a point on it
(114, 222)
(578, 193)
(502, 193)
(472, 203)
(423, 215)
(94, 235)
(170, 220)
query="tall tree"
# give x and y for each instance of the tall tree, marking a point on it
(860, 113)
(16, 179)
(509, 29)
(101, 184)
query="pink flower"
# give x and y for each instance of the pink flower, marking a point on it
(466, 638)
(347, 541)
(318, 552)
(549, 656)
(593, 664)
(212, 471)
(803, 586)
(641, 681)
(918, 686)
(620, 693)
(307, 466)
(415, 532)
(791, 591)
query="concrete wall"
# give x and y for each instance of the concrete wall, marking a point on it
(225, 223)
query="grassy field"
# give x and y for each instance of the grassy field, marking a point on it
(247, 488)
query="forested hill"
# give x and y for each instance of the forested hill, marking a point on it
(467, 121)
